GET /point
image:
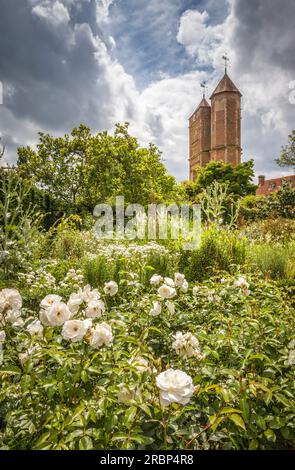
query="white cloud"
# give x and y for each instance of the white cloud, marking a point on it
(102, 10)
(199, 38)
(53, 13)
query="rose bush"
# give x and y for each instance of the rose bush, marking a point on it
(210, 366)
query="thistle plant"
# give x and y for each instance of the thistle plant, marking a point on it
(19, 221)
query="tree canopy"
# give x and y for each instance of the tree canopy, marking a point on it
(238, 179)
(81, 170)
(287, 156)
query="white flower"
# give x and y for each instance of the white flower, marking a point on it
(88, 295)
(140, 364)
(74, 303)
(56, 315)
(196, 290)
(49, 300)
(169, 282)
(156, 309)
(111, 288)
(184, 287)
(186, 344)
(2, 336)
(175, 387)
(171, 307)
(155, 280)
(166, 292)
(291, 345)
(125, 395)
(75, 330)
(14, 317)
(101, 335)
(242, 283)
(179, 279)
(35, 328)
(95, 309)
(10, 299)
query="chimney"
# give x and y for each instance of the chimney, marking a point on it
(261, 180)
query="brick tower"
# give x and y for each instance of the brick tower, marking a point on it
(215, 132)
(226, 122)
(199, 137)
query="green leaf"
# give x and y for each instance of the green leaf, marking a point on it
(10, 370)
(130, 415)
(238, 420)
(270, 435)
(85, 443)
(228, 410)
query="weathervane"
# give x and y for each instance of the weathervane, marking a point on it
(226, 61)
(204, 86)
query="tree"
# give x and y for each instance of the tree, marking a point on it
(81, 170)
(238, 179)
(287, 156)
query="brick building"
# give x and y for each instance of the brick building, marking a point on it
(215, 131)
(266, 187)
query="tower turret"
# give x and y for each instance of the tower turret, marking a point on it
(226, 122)
(199, 137)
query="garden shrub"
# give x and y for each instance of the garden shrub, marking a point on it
(220, 250)
(61, 394)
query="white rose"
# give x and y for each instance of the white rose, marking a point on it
(166, 292)
(169, 282)
(175, 387)
(125, 395)
(186, 344)
(13, 317)
(49, 300)
(101, 335)
(74, 302)
(139, 363)
(155, 280)
(2, 336)
(184, 287)
(75, 330)
(111, 288)
(10, 299)
(95, 309)
(179, 279)
(156, 310)
(171, 307)
(35, 328)
(242, 283)
(56, 315)
(88, 295)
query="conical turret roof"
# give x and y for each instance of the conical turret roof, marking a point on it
(203, 104)
(225, 85)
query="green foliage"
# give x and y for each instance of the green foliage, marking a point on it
(278, 204)
(220, 250)
(81, 170)
(217, 207)
(19, 222)
(278, 230)
(273, 261)
(287, 157)
(238, 179)
(66, 395)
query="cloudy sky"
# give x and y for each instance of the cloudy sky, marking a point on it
(63, 62)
